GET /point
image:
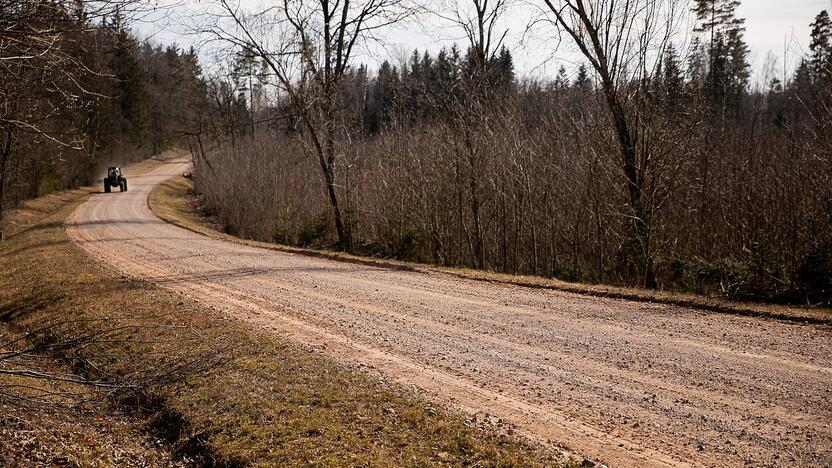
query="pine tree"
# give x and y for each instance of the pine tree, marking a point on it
(821, 46)
(728, 68)
(582, 81)
(561, 79)
(671, 76)
(717, 16)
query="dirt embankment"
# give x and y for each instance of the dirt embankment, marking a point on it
(262, 399)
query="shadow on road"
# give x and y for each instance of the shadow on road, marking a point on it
(236, 273)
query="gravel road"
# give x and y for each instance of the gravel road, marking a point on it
(620, 382)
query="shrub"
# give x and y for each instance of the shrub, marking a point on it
(315, 232)
(412, 245)
(814, 275)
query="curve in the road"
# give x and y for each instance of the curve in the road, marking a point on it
(627, 383)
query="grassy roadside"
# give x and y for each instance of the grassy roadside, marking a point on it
(173, 202)
(218, 391)
(49, 423)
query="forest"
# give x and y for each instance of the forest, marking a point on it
(655, 163)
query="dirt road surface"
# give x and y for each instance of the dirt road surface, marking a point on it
(624, 383)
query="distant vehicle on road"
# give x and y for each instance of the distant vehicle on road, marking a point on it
(115, 179)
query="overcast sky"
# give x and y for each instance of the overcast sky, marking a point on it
(772, 26)
(772, 23)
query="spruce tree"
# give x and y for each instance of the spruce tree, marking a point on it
(582, 81)
(501, 70)
(821, 46)
(671, 76)
(728, 68)
(130, 88)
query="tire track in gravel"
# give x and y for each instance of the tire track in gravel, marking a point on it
(623, 382)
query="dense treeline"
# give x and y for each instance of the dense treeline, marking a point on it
(78, 91)
(651, 164)
(451, 159)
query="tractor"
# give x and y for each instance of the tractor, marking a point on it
(115, 179)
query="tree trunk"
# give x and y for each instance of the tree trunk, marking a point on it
(328, 168)
(460, 214)
(640, 225)
(5, 154)
(503, 231)
(479, 254)
(533, 225)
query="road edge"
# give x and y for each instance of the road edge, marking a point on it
(169, 202)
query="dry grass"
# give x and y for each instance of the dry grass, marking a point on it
(262, 401)
(30, 212)
(49, 423)
(174, 202)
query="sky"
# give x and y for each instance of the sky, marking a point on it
(778, 25)
(776, 28)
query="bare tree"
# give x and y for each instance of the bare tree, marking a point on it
(624, 41)
(308, 47)
(38, 75)
(471, 103)
(479, 20)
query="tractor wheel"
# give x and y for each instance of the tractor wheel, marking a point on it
(122, 186)
(125, 185)
(106, 186)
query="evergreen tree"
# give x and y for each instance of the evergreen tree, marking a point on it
(382, 99)
(416, 84)
(561, 79)
(728, 68)
(445, 67)
(821, 46)
(582, 81)
(717, 16)
(502, 70)
(414, 69)
(130, 89)
(446, 74)
(428, 69)
(671, 76)
(738, 73)
(697, 69)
